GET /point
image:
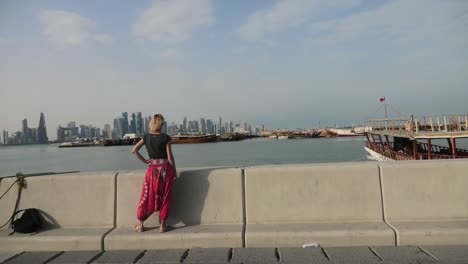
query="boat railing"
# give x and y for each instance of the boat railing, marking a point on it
(437, 152)
(411, 125)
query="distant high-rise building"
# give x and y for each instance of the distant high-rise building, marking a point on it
(67, 134)
(24, 131)
(231, 127)
(119, 124)
(220, 126)
(24, 127)
(209, 127)
(146, 125)
(107, 131)
(5, 137)
(42, 131)
(139, 123)
(165, 128)
(33, 135)
(125, 123)
(203, 125)
(184, 125)
(84, 132)
(132, 128)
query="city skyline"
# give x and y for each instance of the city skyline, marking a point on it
(138, 124)
(284, 63)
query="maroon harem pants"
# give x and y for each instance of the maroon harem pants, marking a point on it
(156, 193)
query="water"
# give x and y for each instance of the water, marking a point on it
(50, 158)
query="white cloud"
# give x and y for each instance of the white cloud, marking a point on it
(287, 14)
(65, 29)
(398, 22)
(171, 22)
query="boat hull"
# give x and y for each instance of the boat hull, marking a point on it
(194, 139)
(372, 155)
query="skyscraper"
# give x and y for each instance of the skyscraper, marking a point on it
(220, 125)
(139, 123)
(164, 128)
(184, 125)
(42, 131)
(107, 131)
(119, 123)
(24, 131)
(125, 123)
(147, 122)
(132, 124)
(203, 125)
(5, 137)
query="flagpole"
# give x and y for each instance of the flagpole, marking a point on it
(385, 107)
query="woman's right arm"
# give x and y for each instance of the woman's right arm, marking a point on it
(136, 152)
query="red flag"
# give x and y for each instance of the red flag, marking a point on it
(382, 99)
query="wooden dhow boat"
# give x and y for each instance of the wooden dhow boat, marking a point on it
(193, 138)
(414, 138)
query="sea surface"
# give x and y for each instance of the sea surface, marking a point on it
(258, 151)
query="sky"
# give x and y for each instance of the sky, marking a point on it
(282, 63)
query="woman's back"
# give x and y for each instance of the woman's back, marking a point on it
(156, 145)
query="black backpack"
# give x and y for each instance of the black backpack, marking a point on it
(29, 222)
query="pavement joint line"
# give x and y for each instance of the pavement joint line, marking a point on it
(326, 254)
(244, 207)
(376, 253)
(428, 253)
(384, 211)
(229, 256)
(114, 221)
(184, 255)
(278, 255)
(140, 256)
(54, 257)
(14, 256)
(98, 255)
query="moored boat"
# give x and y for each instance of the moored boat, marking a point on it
(413, 138)
(77, 144)
(194, 138)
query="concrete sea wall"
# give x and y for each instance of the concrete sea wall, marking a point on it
(336, 204)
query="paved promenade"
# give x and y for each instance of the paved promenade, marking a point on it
(351, 255)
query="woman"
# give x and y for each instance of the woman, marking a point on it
(160, 175)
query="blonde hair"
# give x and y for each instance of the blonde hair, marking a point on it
(156, 123)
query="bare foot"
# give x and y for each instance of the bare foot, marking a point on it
(139, 227)
(163, 227)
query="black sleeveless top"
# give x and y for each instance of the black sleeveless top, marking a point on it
(156, 145)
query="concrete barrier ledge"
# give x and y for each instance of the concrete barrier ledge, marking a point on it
(334, 204)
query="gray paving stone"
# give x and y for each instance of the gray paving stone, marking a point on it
(34, 257)
(347, 254)
(75, 257)
(302, 255)
(448, 252)
(206, 255)
(445, 262)
(248, 255)
(162, 256)
(118, 256)
(402, 253)
(6, 255)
